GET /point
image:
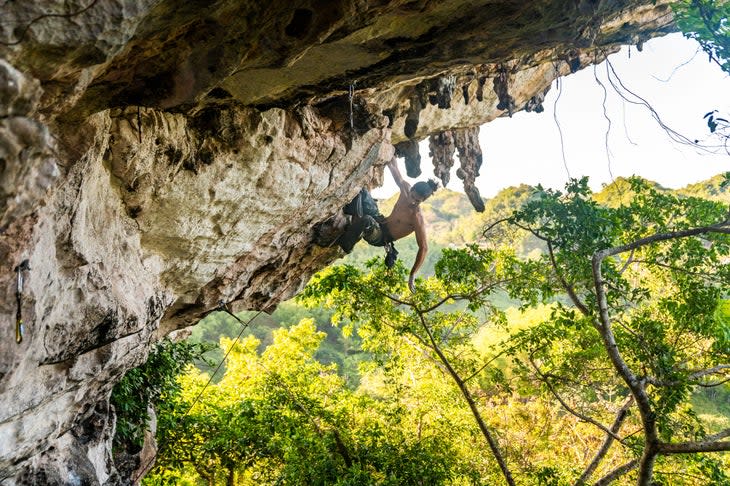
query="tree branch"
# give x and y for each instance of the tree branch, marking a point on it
(711, 443)
(568, 288)
(637, 386)
(709, 371)
(607, 443)
(448, 297)
(498, 222)
(722, 228)
(628, 262)
(493, 445)
(567, 407)
(712, 385)
(692, 376)
(617, 473)
(704, 275)
(484, 366)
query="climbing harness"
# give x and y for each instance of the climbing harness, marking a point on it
(19, 328)
(363, 205)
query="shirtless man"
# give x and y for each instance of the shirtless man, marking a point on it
(405, 219)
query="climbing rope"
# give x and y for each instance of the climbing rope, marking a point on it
(244, 325)
(222, 306)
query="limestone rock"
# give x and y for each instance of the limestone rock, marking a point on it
(466, 141)
(159, 157)
(441, 149)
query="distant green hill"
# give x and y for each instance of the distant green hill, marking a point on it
(618, 191)
(709, 189)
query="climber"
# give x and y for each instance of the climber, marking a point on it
(367, 222)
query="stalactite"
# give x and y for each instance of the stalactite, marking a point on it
(470, 158)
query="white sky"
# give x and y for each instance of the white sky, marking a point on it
(526, 148)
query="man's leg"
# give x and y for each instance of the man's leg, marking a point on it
(370, 207)
(371, 231)
(352, 234)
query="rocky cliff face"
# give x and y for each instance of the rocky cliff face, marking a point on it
(158, 157)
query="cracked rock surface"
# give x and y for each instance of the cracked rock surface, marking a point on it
(158, 157)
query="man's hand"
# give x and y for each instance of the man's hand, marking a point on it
(410, 284)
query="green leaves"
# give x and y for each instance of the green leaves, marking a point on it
(706, 21)
(147, 385)
(281, 417)
(661, 283)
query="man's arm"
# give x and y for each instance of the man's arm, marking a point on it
(422, 242)
(402, 184)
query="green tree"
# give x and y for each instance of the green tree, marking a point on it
(646, 278)
(706, 21)
(281, 416)
(148, 385)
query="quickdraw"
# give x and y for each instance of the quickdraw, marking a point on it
(19, 328)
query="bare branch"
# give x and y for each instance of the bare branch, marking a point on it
(484, 366)
(498, 222)
(442, 301)
(705, 275)
(709, 371)
(636, 385)
(714, 384)
(719, 369)
(720, 435)
(617, 473)
(479, 291)
(458, 320)
(628, 262)
(607, 443)
(708, 445)
(722, 227)
(530, 230)
(493, 445)
(570, 409)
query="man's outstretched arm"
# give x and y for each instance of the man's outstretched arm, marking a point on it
(402, 184)
(422, 242)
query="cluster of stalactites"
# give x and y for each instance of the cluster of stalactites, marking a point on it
(442, 147)
(439, 92)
